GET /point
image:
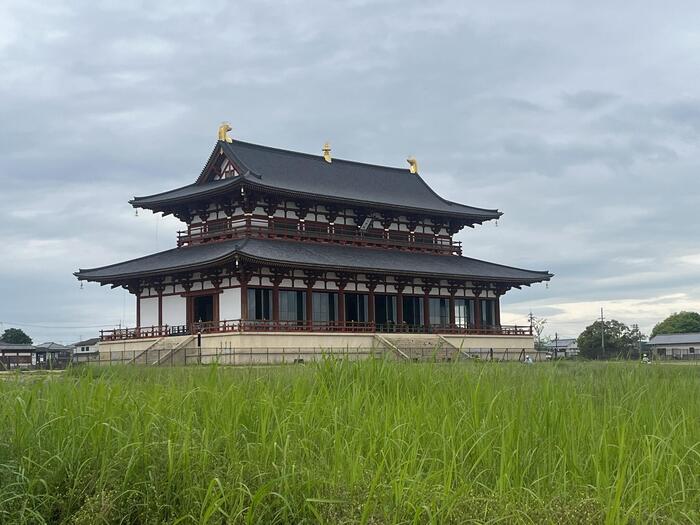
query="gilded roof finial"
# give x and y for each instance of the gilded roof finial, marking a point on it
(327, 152)
(413, 164)
(223, 132)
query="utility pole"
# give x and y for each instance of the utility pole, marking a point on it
(635, 327)
(556, 344)
(602, 331)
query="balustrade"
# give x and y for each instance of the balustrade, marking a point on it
(217, 231)
(238, 325)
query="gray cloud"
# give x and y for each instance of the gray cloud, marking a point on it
(581, 125)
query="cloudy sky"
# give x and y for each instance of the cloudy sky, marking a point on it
(581, 125)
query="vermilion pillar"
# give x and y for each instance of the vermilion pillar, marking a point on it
(275, 302)
(341, 305)
(310, 304)
(399, 303)
(426, 307)
(138, 309)
(452, 307)
(159, 288)
(477, 310)
(341, 282)
(370, 302)
(243, 279)
(309, 282)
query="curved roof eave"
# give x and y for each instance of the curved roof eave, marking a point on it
(150, 202)
(276, 250)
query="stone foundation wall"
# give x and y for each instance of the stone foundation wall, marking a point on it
(282, 348)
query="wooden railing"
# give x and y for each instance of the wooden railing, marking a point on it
(419, 242)
(238, 325)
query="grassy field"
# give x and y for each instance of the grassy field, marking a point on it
(371, 442)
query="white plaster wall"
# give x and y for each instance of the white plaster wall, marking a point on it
(230, 304)
(149, 311)
(174, 310)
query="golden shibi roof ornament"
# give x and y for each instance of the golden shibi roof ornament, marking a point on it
(327, 152)
(413, 164)
(223, 132)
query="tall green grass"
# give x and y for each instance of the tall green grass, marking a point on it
(341, 442)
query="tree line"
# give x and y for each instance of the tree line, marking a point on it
(613, 339)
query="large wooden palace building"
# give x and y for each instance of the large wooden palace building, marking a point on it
(281, 241)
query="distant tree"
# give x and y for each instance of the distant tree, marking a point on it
(542, 344)
(678, 323)
(15, 336)
(538, 324)
(620, 340)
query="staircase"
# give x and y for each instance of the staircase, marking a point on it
(459, 353)
(419, 347)
(158, 350)
(384, 342)
(177, 355)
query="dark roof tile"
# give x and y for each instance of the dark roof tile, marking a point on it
(300, 173)
(300, 254)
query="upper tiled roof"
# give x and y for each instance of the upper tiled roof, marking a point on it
(302, 174)
(312, 255)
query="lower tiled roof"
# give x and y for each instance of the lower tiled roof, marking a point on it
(311, 255)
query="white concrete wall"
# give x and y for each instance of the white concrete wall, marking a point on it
(149, 311)
(174, 310)
(230, 304)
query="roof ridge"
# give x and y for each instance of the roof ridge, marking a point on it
(317, 157)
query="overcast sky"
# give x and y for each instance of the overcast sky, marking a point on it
(580, 121)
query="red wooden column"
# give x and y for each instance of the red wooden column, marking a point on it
(452, 291)
(309, 281)
(477, 308)
(341, 304)
(136, 290)
(341, 282)
(189, 303)
(277, 277)
(399, 302)
(244, 276)
(500, 290)
(453, 288)
(275, 303)
(244, 301)
(159, 288)
(426, 307)
(372, 281)
(160, 308)
(310, 305)
(370, 302)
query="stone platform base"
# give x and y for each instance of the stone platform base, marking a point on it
(295, 347)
